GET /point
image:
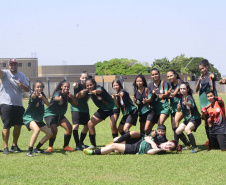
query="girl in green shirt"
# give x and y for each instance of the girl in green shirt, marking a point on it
(205, 83)
(33, 118)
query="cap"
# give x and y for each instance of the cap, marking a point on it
(12, 60)
(162, 127)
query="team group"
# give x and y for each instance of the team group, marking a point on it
(152, 103)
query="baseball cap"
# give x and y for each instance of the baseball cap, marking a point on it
(162, 127)
(12, 60)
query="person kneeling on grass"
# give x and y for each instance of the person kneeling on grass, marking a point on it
(145, 146)
(33, 118)
(214, 114)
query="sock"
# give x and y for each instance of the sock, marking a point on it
(207, 132)
(82, 137)
(92, 139)
(39, 145)
(67, 139)
(51, 141)
(115, 135)
(184, 139)
(124, 137)
(192, 140)
(122, 133)
(96, 152)
(30, 148)
(175, 135)
(76, 137)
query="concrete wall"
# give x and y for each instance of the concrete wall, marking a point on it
(29, 71)
(65, 70)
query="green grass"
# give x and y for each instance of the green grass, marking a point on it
(205, 167)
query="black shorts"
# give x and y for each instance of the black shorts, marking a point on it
(132, 148)
(173, 114)
(148, 116)
(40, 124)
(116, 111)
(196, 122)
(51, 120)
(103, 114)
(11, 115)
(134, 140)
(81, 118)
(217, 141)
(130, 118)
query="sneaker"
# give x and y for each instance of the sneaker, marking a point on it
(49, 149)
(36, 150)
(84, 146)
(88, 151)
(29, 154)
(78, 148)
(91, 147)
(6, 151)
(186, 148)
(68, 148)
(194, 150)
(15, 149)
(206, 143)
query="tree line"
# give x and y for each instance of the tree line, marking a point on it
(124, 66)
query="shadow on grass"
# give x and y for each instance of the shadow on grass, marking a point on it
(201, 148)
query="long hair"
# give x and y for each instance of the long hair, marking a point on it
(176, 147)
(118, 82)
(34, 84)
(58, 88)
(190, 91)
(155, 69)
(135, 87)
(175, 73)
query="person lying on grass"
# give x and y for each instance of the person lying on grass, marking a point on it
(132, 137)
(145, 146)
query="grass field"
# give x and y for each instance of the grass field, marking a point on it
(204, 167)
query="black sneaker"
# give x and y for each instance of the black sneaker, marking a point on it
(36, 150)
(15, 149)
(29, 154)
(6, 151)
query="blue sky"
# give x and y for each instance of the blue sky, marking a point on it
(76, 32)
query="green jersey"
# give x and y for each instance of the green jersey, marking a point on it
(57, 108)
(160, 106)
(35, 110)
(190, 112)
(205, 85)
(82, 102)
(146, 94)
(103, 101)
(175, 100)
(126, 103)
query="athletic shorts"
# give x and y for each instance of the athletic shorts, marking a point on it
(103, 114)
(81, 118)
(130, 118)
(116, 111)
(40, 124)
(148, 116)
(11, 115)
(196, 122)
(51, 120)
(132, 148)
(217, 141)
